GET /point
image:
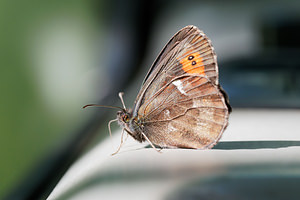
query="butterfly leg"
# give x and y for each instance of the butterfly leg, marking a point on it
(158, 150)
(120, 144)
(109, 129)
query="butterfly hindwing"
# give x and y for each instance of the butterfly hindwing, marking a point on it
(188, 112)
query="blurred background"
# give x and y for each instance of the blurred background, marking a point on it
(57, 56)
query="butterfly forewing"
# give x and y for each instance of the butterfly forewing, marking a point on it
(188, 51)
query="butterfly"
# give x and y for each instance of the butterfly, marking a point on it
(181, 103)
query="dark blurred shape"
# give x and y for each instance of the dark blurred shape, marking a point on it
(281, 33)
(257, 187)
(270, 78)
(255, 144)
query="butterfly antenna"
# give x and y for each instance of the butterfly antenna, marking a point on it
(120, 144)
(96, 105)
(121, 97)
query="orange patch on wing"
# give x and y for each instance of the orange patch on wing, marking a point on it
(192, 63)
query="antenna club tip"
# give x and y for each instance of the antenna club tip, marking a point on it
(121, 97)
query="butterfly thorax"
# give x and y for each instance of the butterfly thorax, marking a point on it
(130, 124)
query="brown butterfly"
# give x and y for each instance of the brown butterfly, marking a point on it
(180, 103)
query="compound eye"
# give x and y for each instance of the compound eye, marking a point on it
(125, 118)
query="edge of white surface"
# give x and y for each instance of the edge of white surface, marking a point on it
(268, 125)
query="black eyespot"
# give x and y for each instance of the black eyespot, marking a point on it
(194, 63)
(190, 57)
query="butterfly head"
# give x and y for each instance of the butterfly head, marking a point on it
(130, 124)
(124, 116)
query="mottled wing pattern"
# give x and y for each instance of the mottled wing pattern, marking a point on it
(180, 103)
(189, 111)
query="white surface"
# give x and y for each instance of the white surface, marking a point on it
(137, 171)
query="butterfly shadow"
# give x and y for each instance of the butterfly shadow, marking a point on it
(235, 145)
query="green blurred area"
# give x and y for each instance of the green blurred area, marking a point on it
(29, 128)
